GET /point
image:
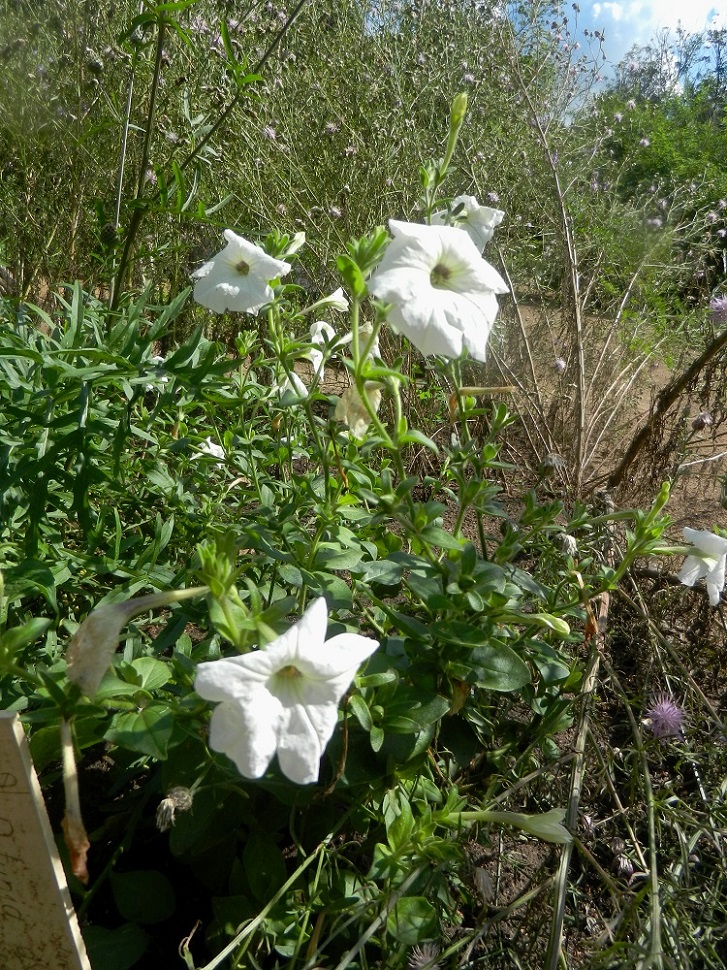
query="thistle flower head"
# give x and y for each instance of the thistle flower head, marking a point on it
(718, 309)
(665, 719)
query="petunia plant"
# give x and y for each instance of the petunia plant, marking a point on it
(348, 668)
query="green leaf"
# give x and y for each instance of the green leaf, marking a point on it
(117, 949)
(546, 620)
(412, 920)
(383, 571)
(28, 576)
(376, 737)
(24, 635)
(147, 730)
(352, 275)
(264, 866)
(398, 833)
(153, 673)
(361, 711)
(501, 668)
(143, 896)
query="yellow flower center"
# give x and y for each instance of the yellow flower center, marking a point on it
(242, 268)
(289, 673)
(440, 276)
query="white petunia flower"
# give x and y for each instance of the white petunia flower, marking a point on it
(238, 277)
(291, 385)
(352, 411)
(706, 561)
(211, 448)
(336, 300)
(478, 221)
(283, 699)
(442, 291)
(321, 333)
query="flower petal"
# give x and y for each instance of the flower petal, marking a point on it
(692, 570)
(248, 736)
(300, 745)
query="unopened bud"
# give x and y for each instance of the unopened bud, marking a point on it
(459, 110)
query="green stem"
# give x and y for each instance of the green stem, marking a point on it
(138, 215)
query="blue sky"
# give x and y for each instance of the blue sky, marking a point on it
(628, 22)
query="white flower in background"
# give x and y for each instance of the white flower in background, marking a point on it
(352, 411)
(238, 277)
(291, 385)
(478, 221)
(321, 333)
(442, 290)
(164, 379)
(706, 561)
(336, 301)
(364, 334)
(211, 448)
(283, 699)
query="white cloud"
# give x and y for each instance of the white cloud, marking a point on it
(638, 21)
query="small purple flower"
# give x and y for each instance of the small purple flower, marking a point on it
(270, 133)
(469, 79)
(718, 309)
(493, 197)
(644, 142)
(665, 719)
(631, 105)
(559, 365)
(703, 420)
(654, 223)
(711, 216)
(618, 117)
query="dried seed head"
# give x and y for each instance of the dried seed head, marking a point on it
(424, 956)
(623, 866)
(178, 799)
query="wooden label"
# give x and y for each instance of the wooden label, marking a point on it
(38, 925)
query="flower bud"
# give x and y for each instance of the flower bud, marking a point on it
(459, 110)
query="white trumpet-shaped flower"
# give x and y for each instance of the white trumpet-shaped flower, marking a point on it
(283, 699)
(706, 561)
(443, 293)
(336, 300)
(211, 448)
(478, 221)
(238, 277)
(321, 333)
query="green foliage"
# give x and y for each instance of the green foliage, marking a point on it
(139, 453)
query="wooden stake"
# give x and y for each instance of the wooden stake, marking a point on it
(38, 926)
